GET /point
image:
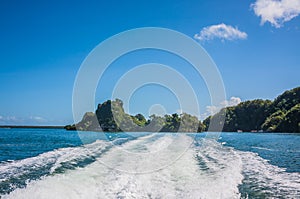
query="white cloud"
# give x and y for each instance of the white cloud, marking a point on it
(232, 102)
(179, 111)
(276, 11)
(13, 120)
(37, 119)
(221, 31)
(10, 119)
(211, 110)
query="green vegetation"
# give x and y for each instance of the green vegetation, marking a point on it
(246, 116)
(110, 117)
(280, 115)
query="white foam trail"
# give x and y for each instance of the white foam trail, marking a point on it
(268, 179)
(182, 179)
(221, 167)
(207, 170)
(263, 148)
(143, 155)
(52, 159)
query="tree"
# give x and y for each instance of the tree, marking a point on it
(273, 121)
(291, 122)
(281, 115)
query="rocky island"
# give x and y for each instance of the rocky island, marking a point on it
(279, 115)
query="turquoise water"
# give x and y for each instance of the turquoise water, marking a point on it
(54, 163)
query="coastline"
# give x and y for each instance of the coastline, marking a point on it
(30, 127)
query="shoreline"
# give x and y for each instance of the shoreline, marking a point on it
(30, 127)
(63, 127)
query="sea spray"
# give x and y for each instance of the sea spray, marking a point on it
(181, 179)
(206, 169)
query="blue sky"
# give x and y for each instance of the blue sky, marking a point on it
(254, 43)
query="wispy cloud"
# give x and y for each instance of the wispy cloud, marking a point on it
(220, 31)
(211, 110)
(37, 119)
(276, 11)
(10, 119)
(232, 102)
(13, 120)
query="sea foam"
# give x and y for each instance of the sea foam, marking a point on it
(165, 166)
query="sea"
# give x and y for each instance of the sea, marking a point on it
(55, 163)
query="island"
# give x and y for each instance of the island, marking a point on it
(280, 115)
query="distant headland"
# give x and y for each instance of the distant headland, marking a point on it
(30, 127)
(279, 115)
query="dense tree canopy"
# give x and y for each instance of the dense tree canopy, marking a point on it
(110, 117)
(280, 115)
(246, 116)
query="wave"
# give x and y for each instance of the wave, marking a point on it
(161, 166)
(263, 180)
(17, 173)
(263, 148)
(222, 168)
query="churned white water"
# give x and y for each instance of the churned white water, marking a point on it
(168, 166)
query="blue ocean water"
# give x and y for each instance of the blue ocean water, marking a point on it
(47, 163)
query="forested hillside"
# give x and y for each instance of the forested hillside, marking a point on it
(280, 115)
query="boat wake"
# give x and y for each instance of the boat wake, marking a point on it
(152, 166)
